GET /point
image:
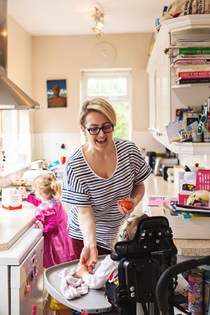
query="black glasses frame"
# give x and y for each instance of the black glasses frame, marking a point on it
(95, 130)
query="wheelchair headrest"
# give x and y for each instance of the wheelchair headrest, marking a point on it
(153, 234)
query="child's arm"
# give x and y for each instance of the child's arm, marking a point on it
(30, 198)
(50, 224)
(99, 278)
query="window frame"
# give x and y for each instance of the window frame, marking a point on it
(108, 73)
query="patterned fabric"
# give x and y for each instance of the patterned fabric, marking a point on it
(82, 187)
(57, 242)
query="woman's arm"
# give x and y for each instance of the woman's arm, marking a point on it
(136, 196)
(137, 193)
(89, 254)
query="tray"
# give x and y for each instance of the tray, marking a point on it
(92, 302)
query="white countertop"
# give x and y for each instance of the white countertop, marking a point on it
(13, 223)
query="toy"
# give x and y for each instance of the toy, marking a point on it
(199, 196)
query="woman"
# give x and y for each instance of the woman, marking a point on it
(97, 177)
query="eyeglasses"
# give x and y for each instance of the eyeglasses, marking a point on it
(96, 130)
(202, 120)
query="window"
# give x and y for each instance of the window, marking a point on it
(115, 87)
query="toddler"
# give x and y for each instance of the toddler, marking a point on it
(53, 218)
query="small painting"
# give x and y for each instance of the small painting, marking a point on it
(56, 93)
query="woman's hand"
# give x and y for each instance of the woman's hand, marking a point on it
(89, 257)
(126, 205)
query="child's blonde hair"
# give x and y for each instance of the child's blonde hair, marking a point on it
(128, 227)
(48, 185)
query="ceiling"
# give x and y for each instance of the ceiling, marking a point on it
(74, 17)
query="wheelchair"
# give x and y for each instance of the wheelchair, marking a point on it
(142, 261)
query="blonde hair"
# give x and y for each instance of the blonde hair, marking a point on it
(99, 105)
(128, 228)
(48, 185)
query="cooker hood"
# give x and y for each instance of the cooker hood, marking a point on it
(11, 96)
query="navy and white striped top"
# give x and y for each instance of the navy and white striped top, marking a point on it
(82, 187)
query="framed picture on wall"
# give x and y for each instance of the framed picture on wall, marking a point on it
(56, 93)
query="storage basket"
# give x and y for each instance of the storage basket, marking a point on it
(203, 180)
(202, 183)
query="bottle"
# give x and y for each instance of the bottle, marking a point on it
(206, 131)
(63, 154)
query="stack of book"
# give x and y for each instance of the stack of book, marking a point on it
(192, 64)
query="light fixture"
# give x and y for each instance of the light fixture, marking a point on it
(98, 18)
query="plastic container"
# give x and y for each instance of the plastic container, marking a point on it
(11, 199)
(203, 180)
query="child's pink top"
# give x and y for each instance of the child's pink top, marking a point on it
(57, 242)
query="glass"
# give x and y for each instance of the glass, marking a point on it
(200, 125)
(96, 130)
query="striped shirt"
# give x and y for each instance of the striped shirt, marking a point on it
(82, 187)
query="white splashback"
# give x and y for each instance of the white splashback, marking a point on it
(47, 146)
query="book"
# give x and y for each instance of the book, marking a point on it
(193, 80)
(191, 50)
(192, 68)
(189, 61)
(192, 209)
(191, 56)
(187, 42)
(193, 74)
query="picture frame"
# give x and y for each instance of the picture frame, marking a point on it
(56, 93)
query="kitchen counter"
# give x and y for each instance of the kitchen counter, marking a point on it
(157, 186)
(13, 223)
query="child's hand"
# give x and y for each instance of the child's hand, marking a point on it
(23, 192)
(81, 270)
(38, 225)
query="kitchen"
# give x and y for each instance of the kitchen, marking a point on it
(32, 60)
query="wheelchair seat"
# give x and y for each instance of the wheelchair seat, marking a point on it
(142, 260)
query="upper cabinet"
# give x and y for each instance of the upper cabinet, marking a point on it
(166, 96)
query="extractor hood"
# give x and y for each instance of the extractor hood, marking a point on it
(11, 96)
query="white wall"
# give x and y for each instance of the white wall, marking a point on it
(64, 57)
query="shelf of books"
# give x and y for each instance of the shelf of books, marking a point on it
(191, 64)
(185, 44)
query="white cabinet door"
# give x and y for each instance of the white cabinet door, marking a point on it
(27, 283)
(162, 91)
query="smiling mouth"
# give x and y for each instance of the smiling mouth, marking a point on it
(101, 140)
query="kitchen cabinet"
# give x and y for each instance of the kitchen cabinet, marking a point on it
(165, 96)
(21, 262)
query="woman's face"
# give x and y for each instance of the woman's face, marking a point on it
(101, 140)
